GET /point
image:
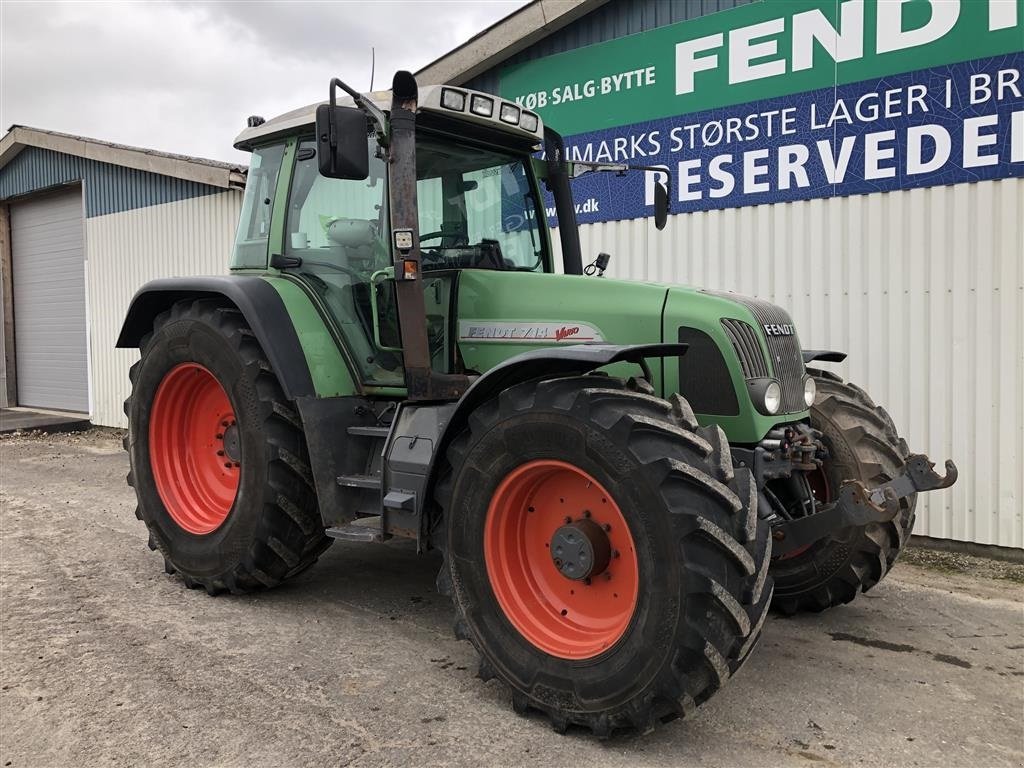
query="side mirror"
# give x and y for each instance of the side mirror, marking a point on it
(342, 149)
(660, 205)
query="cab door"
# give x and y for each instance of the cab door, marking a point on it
(336, 242)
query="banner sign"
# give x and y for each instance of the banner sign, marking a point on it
(788, 100)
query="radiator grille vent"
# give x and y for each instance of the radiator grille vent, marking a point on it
(784, 351)
(748, 349)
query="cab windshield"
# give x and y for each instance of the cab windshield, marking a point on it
(476, 208)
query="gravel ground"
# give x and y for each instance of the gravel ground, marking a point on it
(106, 660)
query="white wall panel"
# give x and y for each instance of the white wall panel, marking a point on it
(923, 288)
(123, 251)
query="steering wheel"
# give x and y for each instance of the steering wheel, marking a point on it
(357, 276)
(441, 233)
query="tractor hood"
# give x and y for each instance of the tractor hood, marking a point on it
(736, 343)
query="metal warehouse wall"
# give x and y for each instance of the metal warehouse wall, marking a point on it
(123, 251)
(925, 291)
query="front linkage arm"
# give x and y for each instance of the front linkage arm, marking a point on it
(858, 506)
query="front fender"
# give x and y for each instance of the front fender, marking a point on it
(259, 303)
(548, 362)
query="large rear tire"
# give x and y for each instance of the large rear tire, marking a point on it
(863, 445)
(681, 600)
(217, 453)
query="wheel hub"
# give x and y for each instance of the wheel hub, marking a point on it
(581, 549)
(232, 449)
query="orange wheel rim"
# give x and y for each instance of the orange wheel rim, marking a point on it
(547, 503)
(194, 448)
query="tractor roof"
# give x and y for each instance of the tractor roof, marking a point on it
(504, 115)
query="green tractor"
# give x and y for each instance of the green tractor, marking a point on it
(616, 473)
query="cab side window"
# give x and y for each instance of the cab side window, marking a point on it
(253, 235)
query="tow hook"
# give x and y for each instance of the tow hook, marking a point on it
(858, 505)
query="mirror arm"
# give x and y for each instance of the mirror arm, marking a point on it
(621, 168)
(367, 106)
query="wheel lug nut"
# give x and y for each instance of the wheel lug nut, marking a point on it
(586, 513)
(587, 581)
(615, 553)
(607, 575)
(224, 424)
(568, 519)
(220, 453)
(220, 436)
(227, 464)
(606, 527)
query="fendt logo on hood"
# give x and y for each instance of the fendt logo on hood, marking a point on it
(777, 329)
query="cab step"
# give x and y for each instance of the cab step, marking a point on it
(359, 481)
(366, 529)
(361, 431)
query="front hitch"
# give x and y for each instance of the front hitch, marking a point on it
(858, 505)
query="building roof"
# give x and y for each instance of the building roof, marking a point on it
(504, 39)
(197, 169)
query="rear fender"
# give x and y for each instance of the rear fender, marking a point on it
(259, 303)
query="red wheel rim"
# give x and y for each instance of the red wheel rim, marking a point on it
(564, 617)
(192, 448)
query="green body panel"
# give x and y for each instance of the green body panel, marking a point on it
(620, 313)
(691, 307)
(510, 305)
(328, 369)
(501, 314)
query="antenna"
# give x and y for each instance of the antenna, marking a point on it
(373, 65)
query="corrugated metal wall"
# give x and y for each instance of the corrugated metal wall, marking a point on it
(123, 251)
(925, 291)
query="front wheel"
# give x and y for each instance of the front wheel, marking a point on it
(218, 456)
(863, 445)
(603, 556)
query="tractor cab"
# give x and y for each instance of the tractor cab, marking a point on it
(476, 196)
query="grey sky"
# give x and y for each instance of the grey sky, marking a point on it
(182, 77)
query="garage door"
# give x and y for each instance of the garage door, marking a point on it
(48, 271)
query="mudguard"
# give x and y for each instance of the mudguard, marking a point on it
(825, 355)
(258, 302)
(549, 362)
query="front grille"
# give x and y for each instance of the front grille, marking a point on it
(748, 349)
(786, 361)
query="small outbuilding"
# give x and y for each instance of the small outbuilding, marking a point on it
(84, 223)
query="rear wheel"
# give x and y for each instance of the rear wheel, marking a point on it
(863, 445)
(218, 457)
(602, 554)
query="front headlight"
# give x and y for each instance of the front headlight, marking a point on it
(772, 397)
(810, 391)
